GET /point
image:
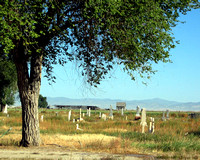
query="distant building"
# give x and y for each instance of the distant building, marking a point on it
(120, 105)
(75, 107)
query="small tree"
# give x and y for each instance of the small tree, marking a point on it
(42, 102)
(8, 83)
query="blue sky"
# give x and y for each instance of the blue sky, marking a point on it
(177, 81)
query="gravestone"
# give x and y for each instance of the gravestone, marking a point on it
(41, 118)
(83, 114)
(167, 114)
(151, 125)
(137, 116)
(122, 111)
(89, 112)
(69, 115)
(143, 120)
(5, 109)
(73, 120)
(77, 127)
(99, 114)
(163, 117)
(80, 113)
(111, 113)
(103, 117)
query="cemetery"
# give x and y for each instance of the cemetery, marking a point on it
(161, 134)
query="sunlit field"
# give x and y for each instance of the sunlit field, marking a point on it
(178, 137)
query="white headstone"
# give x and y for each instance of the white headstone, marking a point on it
(151, 125)
(122, 111)
(77, 127)
(103, 117)
(137, 111)
(89, 112)
(143, 120)
(6, 109)
(41, 118)
(80, 113)
(163, 117)
(73, 120)
(69, 115)
(167, 114)
(83, 114)
(137, 116)
(99, 114)
(111, 112)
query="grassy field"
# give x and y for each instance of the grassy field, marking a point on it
(176, 138)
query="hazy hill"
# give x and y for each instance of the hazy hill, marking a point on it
(149, 104)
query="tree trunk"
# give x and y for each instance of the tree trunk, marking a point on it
(29, 81)
(3, 108)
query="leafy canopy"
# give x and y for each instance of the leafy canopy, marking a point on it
(42, 102)
(8, 82)
(95, 33)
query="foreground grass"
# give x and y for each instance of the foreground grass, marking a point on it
(178, 137)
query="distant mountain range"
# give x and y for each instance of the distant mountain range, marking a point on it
(149, 104)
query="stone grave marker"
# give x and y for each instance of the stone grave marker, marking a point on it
(80, 113)
(69, 115)
(143, 120)
(122, 111)
(151, 125)
(137, 116)
(111, 113)
(42, 118)
(89, 112)
(5, 109)
(167, 114)
(103, 117)
(163, 117)
(77, 127)
(99, 114)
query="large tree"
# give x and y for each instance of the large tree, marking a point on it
(96, 33)
(8, 83)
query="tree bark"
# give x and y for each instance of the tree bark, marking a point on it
(3, 107)
(29, 81)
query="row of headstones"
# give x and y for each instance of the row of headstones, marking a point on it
(151, 123)
(142, 117)
(143, 122)
(164, 117)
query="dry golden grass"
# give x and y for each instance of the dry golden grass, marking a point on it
(78, 141)
(176, 136)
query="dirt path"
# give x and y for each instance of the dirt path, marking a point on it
(63, 154)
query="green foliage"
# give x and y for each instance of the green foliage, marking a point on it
(8, 82)
(98, 34)
(42, 102)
